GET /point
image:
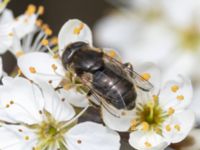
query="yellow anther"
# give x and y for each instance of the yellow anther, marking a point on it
(10, 34)
(145, 126)
(19, 72)
(32, 69)
(54, 40)
(31, 9)
(26, 138)
(54, 67)
(48, 31)
(19, 53)
(147, 144)
(44, 42)
(45, 26)
(168, 128)
(38, 22)
(11, 102)
(7, 105)
(112, 53)
(78, 29)
(146, 76)
(133, 125)
(55, 56)
(180, 97)
(158, 130)
(67, 86)
(41, 10)
(174, 88)
(170, 111)
(177, 127)
(155, 98)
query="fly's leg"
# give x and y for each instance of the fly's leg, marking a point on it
(90, 96)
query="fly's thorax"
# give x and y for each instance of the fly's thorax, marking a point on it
(69, 52)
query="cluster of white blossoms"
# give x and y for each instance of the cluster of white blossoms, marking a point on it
(159, 31)
(39, 105)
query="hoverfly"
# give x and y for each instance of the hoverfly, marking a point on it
(109, 81)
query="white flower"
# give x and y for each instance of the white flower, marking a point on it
(160, 118)
(47, 67)
(35, 117)
(18, 34)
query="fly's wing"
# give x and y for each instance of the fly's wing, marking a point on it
(137, 79)
(97, 97)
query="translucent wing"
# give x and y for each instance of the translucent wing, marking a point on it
(101, 99)
(137, 79)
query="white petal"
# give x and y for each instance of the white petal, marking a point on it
(42, 63)
(17, 137)
(21, 101)
(67, 33)
(25, 24)
(6, 17)
(183, 64)
(6, 36)
(147, 141)
(181, 12)
(154, 72)
(194, 106)
(122, 123)
(176, 94)
(92, 136)
(60, 110)
(1, 67)
(180, 125)
(73, 97)
(137, 41)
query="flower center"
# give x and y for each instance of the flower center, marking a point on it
(190, 39)
(150, 116)
(51, 132)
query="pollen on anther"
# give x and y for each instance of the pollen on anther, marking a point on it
(170, 111)
(19, 53)
(155, 98)
(146, 76)
(44, 42)
(39, 22)
(147, 144)
(174, 88)
(31, 9)
(10, 34)
(54, 67)
(133, 124)
(180, 97)
(54, 40)
(41, 10)
(168, 128)
(26, 138)
(112, 53)
(48, 31)
(177, 127)
(145, 126)
(11, 102)
(32, 69)
(78, 29)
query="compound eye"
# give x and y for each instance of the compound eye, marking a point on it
(66, 58)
